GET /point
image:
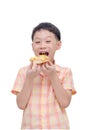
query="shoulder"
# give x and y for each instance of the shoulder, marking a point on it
(24, 69)
(63, 70)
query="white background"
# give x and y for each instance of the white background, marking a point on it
(17, 19)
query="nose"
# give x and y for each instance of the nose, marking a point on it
(42, 45)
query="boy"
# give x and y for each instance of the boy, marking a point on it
(44, 90)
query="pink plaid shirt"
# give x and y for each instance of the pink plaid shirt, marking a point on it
(43, 110)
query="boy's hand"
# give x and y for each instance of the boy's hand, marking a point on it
(49, 69)
(33, 71)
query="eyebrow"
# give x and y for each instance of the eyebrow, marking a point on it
(38, 38)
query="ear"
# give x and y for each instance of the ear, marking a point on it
(59, 43)
(32, 46)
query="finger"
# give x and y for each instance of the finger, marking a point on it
(43, 67)
(34, 65)
(30, 65)
(47, 65)
(51, 67)
(38, 67)
(50, 63)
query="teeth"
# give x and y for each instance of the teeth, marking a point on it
(44, 53)
(40, 53)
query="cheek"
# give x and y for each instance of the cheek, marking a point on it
(53, 48)
(34, 48)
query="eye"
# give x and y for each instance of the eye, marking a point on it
(37, 42)
(48, 41)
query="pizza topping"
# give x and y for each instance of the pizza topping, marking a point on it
(40, 59)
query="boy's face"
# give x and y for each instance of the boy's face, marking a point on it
(45, 42)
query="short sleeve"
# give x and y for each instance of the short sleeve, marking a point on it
(68, 82)
(19, 82)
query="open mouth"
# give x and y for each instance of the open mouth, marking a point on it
(44, 53)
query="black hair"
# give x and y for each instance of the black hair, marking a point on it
(47, 26)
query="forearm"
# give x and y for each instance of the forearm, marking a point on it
(24, 95)
(63, 96)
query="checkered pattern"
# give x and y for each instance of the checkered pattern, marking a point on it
(43, 110)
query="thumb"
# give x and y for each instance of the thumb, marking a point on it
(31, 64)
